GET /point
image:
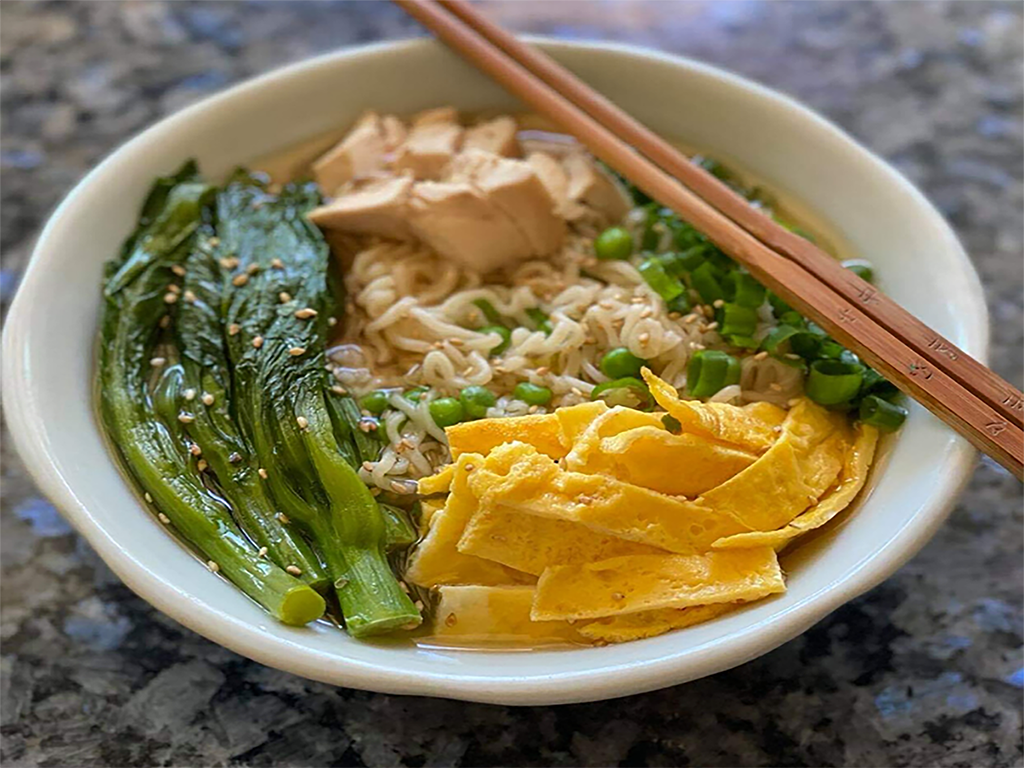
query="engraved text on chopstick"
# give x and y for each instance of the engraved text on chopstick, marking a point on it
(943, 349)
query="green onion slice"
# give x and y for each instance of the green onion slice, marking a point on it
(711, 370)
(880, 413)
(629, 391)
(833, 382)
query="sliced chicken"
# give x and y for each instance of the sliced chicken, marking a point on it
(460, 223)
(379, 207)
(594, 187)
(433, 140)
(554, 178)
(363, 153)
(514, 187)
(497, 136)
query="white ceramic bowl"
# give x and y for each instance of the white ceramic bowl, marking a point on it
(48, 362)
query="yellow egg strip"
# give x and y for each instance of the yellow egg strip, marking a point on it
(635, 583)
(677, 465)
(790, 476)
(495, 614)
(437, 560)
(636, 626)
(751, 427)
(518, 477)
(530, 543)
(852, 479)
(439, 483)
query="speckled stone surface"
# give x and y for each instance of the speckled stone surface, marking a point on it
(925, 670)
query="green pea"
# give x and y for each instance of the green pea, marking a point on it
(506, 337)
(415, 394)
(620, 363)
(614, 244)
(446, 411)
(375, 402)
(476, 400)
(532, 394)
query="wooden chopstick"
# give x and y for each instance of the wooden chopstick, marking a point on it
(915, 373)
(942, 353)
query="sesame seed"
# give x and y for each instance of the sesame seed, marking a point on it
(233, 329)
(212, 566)
(695, 345)
(689, 318)
(165, 321)
(792, 356)
(590, 340)
(257, 342)
(283, 518)
(284, 297)
(794, 401)
(156, 362)
(775, 386)
(467, 370)
(235, 457)
(296, 351)
(302, 421)
(638, 300)
(214, 241)
(419, 605)
(240, 280)
(470, 467)
(262, 552)
(368, 466)
(339, 390)
(576, 391)
(777, 428)
(718, 303)
(618, 596)
(207, 398)
(148, 497)
(646, 312)
(711, 327)
(262, 473)
(543, 371)
(306, 313)
(229, 262)
(450, 620)
(277, 264)
(173, 288)
(375, 492)
(195, 450)
(252, 269)
(456, 342)
(438, 345)
(186, 418)
(332, 321)
(400, 487)
(643, 338)
(170, 298)
(294, 570)
(163, 518)
(606, 304)
(367, 425)
(760, 355)
(190, 297)
(708, 311)
(533, 409)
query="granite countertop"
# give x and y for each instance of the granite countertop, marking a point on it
(925, 670)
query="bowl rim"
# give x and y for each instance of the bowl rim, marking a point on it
(24, 411)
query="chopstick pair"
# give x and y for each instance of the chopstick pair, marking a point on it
(972, 399)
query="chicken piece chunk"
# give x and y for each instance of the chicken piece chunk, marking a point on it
(379, 207)
(433, 140)
(497, 136)
(514, 187)
(462, 224)
(595, 188)
(554, 178)
(361, 154)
